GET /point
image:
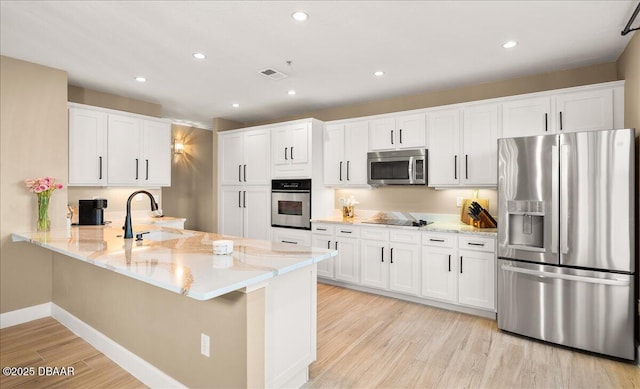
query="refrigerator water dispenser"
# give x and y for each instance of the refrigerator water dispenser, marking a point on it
(526, 224)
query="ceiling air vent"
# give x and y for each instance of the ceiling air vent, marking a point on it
(273, 74)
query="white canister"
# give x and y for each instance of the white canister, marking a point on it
(222, 247)
(222, 261)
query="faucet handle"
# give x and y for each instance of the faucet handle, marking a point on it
(139, 235)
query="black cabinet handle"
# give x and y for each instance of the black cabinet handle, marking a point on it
(455, 167)
(475, 244)
(391, 255)
(321, 229)
(146, 169)
(288, 241)
(291, 152)
(340, 170)
(461, 264)
(449, 263)
(466, 166)
(245, 173)
(239, 173)
(328, 244)
(401, 136)
(244, 199)
(391, 136)
(382, 253)
(346, 232)
(285, 154)
(336, 245)
(239, 199)
(436, 240)
(347, 170)
(546, 122)
(100, 165)
(136, 168)
(560, 120)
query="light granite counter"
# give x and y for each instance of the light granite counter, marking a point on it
(181, 261)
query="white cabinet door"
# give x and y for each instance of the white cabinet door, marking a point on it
(439, 273)
(280, 146)
(256, 167)
(476, 279)
(156, 154)
(527, 117)
(325, 268)
(355, 152)
(411, 132)
(291, 150)
(230, 214)
(123, 145)
(334, 150)
(87, 147)
(299, 143)
(256, 204)
(231, 158)
(444, 147)
(404, 268)
(347, 263)
(374, 262)
(585, 111)
(382, 134)
(480, 145)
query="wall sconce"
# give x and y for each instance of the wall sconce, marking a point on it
(178, 147)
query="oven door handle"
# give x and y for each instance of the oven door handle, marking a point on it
(290, 191)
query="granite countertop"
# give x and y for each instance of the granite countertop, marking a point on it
(436, 226)
(181, 261)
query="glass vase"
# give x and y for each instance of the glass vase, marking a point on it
(44, 224)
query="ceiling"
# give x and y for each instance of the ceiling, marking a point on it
(420, 45)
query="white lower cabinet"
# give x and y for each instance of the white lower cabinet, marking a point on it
(291, 236)
(322, 237)
(459, 269)
(345, 239)
(390, 259)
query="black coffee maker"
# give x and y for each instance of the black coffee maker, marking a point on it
(90, 212)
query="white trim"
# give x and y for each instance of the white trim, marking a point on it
(136, 366)
(24, 315)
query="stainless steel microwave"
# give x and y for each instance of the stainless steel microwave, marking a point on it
(403, 167)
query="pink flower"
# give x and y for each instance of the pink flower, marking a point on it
(40, 185)
(59, 186)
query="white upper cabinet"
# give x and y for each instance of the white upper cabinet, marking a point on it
(444, 147)
(527, 117)
(585, 111)
(463, 154)
(345, 154)
(87, 147)
(394, 133)
(480, 146)
(291, 150)
(244, 158)
(587, 108)
(113, 149)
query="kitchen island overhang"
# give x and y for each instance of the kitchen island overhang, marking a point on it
(157, 297)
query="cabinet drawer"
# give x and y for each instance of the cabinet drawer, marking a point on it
(404, 236)
(290, 236)
(439, 239)
(469, 242)
(347, 231)
(375, 234)
(323, 229)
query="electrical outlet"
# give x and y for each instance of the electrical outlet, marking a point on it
(459, 201)
(204, 345)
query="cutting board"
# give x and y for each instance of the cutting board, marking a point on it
(464, 210)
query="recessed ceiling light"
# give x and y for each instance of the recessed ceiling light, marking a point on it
(378, 73)
(510, 44)
(235, 105)
(199, 56)
(300, 16)
(141, 79)
(291, 92)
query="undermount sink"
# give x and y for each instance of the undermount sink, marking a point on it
(160, 235)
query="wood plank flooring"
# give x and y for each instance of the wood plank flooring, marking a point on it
(369, 341)
(47, 343)
(364, 341)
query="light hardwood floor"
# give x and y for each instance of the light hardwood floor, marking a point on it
(364, 341)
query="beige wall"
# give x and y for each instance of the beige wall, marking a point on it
(164, 328)
(192, 193)
(116, 197)
(106, 100)
(33, 143)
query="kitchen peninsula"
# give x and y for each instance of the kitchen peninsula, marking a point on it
(170, 301)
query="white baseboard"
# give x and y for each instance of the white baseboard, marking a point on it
(25, 315)
(136, 366)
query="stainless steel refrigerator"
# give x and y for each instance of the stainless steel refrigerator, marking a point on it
(566, 239)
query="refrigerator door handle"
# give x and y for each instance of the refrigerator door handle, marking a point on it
(555, 217)
(568, 277)
(564, 198)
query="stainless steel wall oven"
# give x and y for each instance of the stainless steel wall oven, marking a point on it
(291, 204)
